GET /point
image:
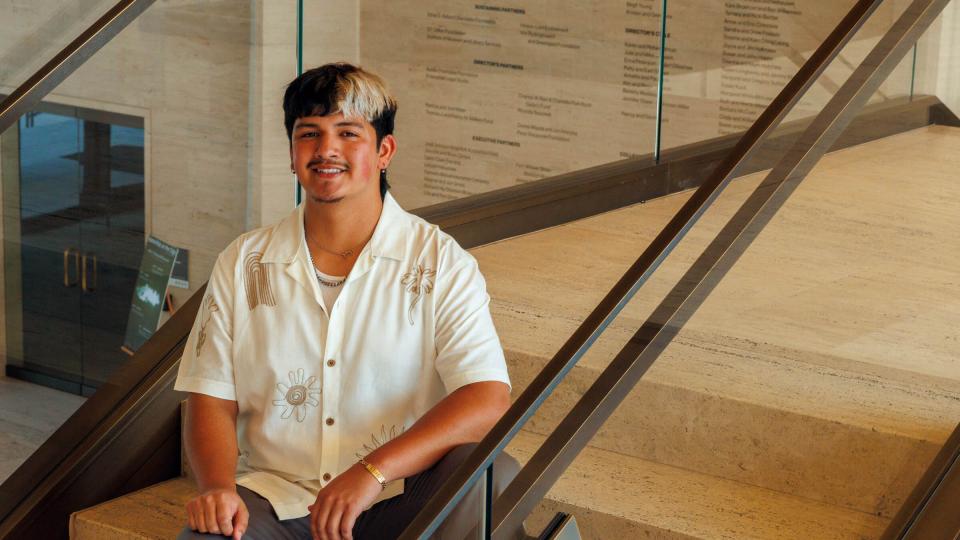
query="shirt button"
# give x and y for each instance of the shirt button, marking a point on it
(331, 362)
(329, 421)
(326, 477)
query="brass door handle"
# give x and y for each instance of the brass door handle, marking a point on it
(88, 285)
(67, 282)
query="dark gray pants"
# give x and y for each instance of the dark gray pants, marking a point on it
(386, 519)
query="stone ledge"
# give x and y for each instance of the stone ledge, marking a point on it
(156, 512)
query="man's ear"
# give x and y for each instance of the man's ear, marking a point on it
(388, 148)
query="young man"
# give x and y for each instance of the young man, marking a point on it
(343, 359)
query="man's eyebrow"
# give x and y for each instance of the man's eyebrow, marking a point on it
(345, 123)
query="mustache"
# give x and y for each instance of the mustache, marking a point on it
(327, 162)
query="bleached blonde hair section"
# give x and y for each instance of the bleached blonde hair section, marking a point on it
(362, 94)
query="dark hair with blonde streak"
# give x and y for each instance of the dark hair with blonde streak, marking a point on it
(341, 88)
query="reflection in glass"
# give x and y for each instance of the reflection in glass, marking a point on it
(81, 223)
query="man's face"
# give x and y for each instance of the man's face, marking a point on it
(337, 158)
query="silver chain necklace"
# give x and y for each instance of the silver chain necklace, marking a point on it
(320, 278)
(326, 282)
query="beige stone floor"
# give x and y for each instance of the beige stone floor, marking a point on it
(857, 275)
(29, 413)
(826, 363)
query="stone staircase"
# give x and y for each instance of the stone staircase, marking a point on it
(825, 367)
(803, 400)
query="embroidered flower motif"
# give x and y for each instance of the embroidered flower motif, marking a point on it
(384, 438)
(418, 281)
(298, 395)
(209, 308)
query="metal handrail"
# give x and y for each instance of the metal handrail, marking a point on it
(615, 382)
(71, 57)
(666, 321)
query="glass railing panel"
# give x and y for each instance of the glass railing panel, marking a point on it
(493, 96)
(31, 33)
(140, 160)
(813, 386)
(722, 70)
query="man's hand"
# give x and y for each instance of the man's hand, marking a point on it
(218, 511)
(340, 503)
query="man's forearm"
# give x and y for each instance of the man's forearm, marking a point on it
(211, 441)
(464, 416)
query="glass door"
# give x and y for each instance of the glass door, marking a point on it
(112, 236)
(50, 179)
(81, 224)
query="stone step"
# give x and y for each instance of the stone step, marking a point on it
(823, 365)
(618, 496)
(156, 512)
(612, 495)
(856, 466)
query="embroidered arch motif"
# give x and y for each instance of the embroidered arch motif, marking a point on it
(257, 281)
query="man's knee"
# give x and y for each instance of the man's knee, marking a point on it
(466, 515)
(460, 453)
(188, 534)
(505, 467)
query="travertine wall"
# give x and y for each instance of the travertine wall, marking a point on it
(947, 49)
(330, 35)
(496, 94)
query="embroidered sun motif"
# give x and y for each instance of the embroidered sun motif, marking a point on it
(419, 281)
(298, 395)
(210, 307)
(383, 438)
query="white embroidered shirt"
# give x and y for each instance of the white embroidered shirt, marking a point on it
(318, 390)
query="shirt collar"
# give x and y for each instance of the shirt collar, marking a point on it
(388, 238)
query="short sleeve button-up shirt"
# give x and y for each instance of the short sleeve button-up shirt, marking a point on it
(317, 390)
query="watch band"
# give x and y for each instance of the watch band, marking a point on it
(375, 472)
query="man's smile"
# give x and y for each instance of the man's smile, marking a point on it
(327, 170)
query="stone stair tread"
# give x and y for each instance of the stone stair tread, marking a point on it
(817, 318)
(155, 512)
(641, 494)
(790, 380)
(652, 498)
